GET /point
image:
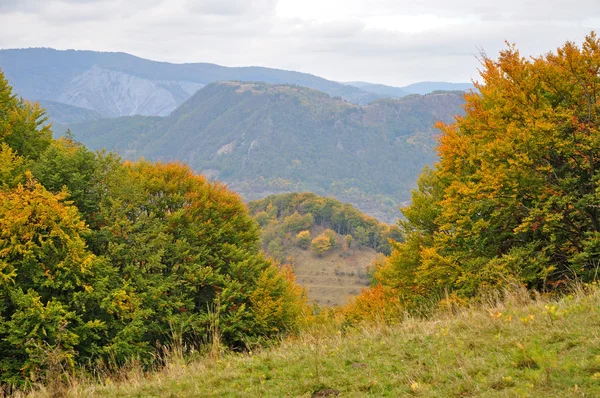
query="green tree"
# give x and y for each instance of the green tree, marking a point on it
(22, 124)
(51, 286)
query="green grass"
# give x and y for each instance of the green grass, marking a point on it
(515, 348)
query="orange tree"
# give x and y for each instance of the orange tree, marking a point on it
(515, 195)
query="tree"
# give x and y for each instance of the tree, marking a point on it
(51, 286)
(332, 236)
(347, 242)
(275, 249)
(515, 195)
(303, 239)
(321, 244)
(296, 222)
(22, 123)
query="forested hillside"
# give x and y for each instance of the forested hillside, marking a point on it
(330, 245)
(262, 139)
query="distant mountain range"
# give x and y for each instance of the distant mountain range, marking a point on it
(416, 88)
(263, 139)
(119, 84)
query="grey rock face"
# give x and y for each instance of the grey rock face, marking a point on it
(115, 93)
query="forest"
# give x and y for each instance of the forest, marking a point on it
(264, 139)
(103, 260)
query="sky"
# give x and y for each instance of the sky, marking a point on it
(394, 42)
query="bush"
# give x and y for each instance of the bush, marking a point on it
(332, 236)
(321, 244)
(303, 239)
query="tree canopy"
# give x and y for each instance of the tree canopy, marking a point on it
(515, 195)
(104, 261)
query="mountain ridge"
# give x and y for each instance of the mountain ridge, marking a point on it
(120, 84)
(263, 139)
(48, 74)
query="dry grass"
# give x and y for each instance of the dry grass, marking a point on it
(335, 277)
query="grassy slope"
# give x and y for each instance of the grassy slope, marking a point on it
(516, 348)
(333, 278)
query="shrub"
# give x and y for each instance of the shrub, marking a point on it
(303, 239)
(321, 244)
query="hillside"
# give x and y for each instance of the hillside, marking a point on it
(60, 114)
(336, 271)
(119, 84)
(512, 348)
(263, 139)
(415, 88)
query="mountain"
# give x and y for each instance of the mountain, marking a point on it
(416, 88)
(60, 113)
(381, 89)
(119, 84)
(263, 139)
(429, 87)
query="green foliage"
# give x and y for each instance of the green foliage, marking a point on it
(323, 145)
(276, 250)
(514, 196)
(66, 163)
(21, 124)
(50, 284)
(104, 261)
(296, 223)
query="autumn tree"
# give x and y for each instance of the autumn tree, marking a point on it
(515, 194)
(51, 286)
(320, 244)
(347, 242)
(303, 239)
(332, 236)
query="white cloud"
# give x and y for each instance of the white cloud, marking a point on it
(385, 41)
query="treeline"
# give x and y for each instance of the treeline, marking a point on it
(102, 261)
(296, 216)
(514, 198)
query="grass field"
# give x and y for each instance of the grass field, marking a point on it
(334, 277)
(519, 347)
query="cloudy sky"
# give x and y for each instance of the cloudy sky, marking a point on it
(392, 42)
